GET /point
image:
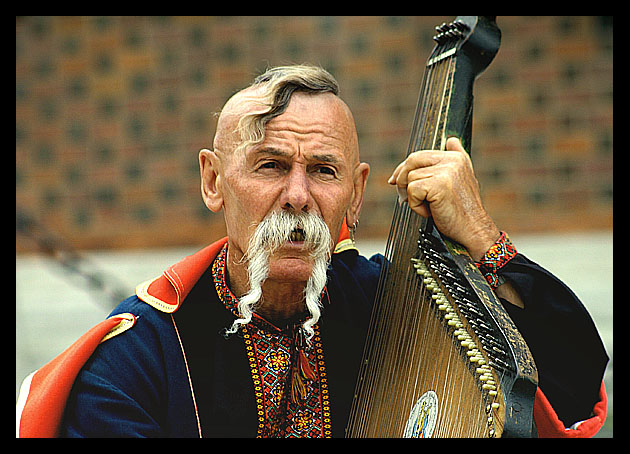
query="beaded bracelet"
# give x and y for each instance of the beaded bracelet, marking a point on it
(500, 253)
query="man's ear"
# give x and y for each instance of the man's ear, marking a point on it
(361, 174)
(210, 180)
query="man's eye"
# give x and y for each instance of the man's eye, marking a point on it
(326, 170)
(269, 165)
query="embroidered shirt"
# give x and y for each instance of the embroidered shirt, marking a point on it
(289, 378)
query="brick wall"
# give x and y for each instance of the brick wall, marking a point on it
(112, 111)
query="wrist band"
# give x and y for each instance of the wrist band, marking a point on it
(500, 253)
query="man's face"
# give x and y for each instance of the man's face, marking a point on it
(307, 162)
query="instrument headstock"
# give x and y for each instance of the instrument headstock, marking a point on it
(477, 37)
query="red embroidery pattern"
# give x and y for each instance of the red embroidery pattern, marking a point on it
(272, 357)
(495, 258)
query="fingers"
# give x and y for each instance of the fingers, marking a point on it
(425, 159)
(441, 184)
(417, 198)
(394, 176)
(415, 160)
(427, 177)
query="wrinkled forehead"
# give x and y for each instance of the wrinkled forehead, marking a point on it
(326, 110)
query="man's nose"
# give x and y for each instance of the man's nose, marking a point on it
(296, 194)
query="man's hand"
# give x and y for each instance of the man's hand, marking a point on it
(442, 184)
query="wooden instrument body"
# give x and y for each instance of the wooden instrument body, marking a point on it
(442, 358)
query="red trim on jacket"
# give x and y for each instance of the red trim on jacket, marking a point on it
(175, 283)
(549, 426)
(46, 395)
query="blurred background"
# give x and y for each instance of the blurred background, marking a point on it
(111, 113)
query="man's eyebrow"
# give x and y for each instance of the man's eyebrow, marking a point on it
(271, 151)
(330, 158)
(323, 157)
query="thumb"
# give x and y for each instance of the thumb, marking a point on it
(454, 144)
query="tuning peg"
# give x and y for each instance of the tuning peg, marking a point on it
(441, 28)
(461, 26)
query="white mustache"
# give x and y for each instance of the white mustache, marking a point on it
(274, 231)
(282, 226)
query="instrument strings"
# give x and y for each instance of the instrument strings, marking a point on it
(404, 332)
(394, 345)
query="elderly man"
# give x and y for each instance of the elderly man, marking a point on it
(261, 333)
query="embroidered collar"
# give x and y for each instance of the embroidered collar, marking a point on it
(290, 381)
(231, 301)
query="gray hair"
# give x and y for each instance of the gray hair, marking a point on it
(273, 92)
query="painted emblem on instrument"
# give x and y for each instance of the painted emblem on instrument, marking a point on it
(423, 416)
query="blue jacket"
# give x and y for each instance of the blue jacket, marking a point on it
(174, 374)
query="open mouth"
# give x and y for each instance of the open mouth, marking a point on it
(296, 235)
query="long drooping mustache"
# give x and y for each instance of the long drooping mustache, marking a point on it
(274, 231)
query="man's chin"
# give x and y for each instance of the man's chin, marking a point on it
(290, 267)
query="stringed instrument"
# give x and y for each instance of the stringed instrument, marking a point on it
(442, 356)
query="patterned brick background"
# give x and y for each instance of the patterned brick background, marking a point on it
(112, 111)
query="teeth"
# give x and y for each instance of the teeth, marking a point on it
(296, 235)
